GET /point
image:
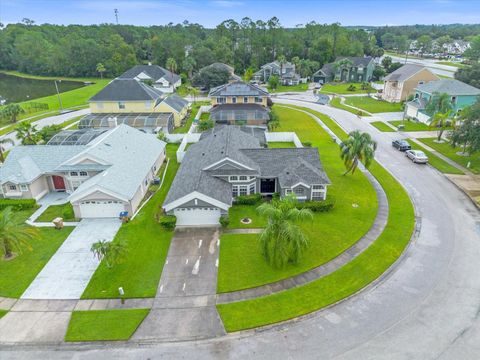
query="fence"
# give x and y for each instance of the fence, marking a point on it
(283, 137)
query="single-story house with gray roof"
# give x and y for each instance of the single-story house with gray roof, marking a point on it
(103, 177)
(157, 76)
(228, 162)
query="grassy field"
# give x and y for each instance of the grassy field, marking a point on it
(371, 105)
(342, 88)
(450, 63)
(281, 145)
(340, 284)
(3, 313)
(436, 162)
(104, 325)
(292, 88)
(183, 129)
(64, 211)
(411, 125)
(446, 149)
(337, 104)
(147, 245)
(330, 233)
(238, 212)
(18, 273)
(380, 125)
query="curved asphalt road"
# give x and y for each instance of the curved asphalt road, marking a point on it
(427, 308)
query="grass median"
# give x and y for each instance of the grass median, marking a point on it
(380, 125)
(439, 164)
(372, 105)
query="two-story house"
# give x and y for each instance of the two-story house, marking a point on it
(346, 69)
(228, 162)
(402, 82)
(461, 96)
(285, 72)
(239, 103)
(154, 75)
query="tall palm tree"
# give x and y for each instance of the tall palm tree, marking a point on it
(101, 69)
(439, 103)
(188, 65)
(282, 241)
(172, 67)
(4, 141)
(12, 111)
(14, 233)
(358, 147)
(27, 133)
(441, 121)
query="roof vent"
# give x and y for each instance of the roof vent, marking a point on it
(288, 173)
(203, 154)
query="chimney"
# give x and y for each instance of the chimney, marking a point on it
(112, 122)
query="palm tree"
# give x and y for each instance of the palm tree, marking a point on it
(110, 251)
(27, 133)
(441, 121)
(282, 241)
(12, 111)
(4, 141)
(282, 60)
(172, 67)
(101, 69)
(188, 65)
(358, 147)
(439, 103)
(194, 92)
(14, 233)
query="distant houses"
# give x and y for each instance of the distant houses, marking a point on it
(154, 75)
(346, 69)
(286, 73)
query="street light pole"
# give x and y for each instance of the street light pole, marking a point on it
(58, 95)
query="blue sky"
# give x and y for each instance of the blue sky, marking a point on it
(211, 12)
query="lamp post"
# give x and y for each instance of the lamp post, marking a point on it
(58, 95)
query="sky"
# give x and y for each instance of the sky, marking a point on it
(210, 13)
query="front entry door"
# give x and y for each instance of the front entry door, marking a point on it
(58, 183)
(267, 186)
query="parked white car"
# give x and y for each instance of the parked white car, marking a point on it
(417, 156)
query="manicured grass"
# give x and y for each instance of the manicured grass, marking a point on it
(341, 88)
(380, 125)
(446, 149)
(347, 280)
(183, 129)
(330, 233)
(336, 103)
(292, 88)
(64, 211)
(104, 325)
(18, 273)
(371, 105)
(281, 145)
(411, 125)
(450, 63)
(436, 162)
(147, 246)
(238, 212)
(3, 313)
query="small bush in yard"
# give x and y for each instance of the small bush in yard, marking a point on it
(224, 221)
(351, 88)
(317, 206)
(248, 199)
(168, 222)
(18, 204)
(307, 144)
(68, 213)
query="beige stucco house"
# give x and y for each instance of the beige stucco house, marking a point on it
(402, 82)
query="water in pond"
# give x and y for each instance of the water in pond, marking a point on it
(16, 89)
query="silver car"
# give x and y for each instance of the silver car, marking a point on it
(417, 156)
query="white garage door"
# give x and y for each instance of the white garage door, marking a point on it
(101, 208)
(197, 216)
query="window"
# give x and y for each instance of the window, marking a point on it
(83, 173)
(251, 189)
(235, 190)
(318, 187)
(421, 82)
(233, 178)
(234, 100)
(258, 99)
(221, 100)
(73, 173)
(12, 187)
(252, 177)
(454, 99)
(317, 196)
(288, 191)
(243, 190)
(23, 187)
(243, 178)
(299, 190)
(245, 99)
(121, 105)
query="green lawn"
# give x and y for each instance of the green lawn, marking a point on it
(64, 211)
(340, 284)
(450, 63)
(18, 273)
(3, 313)
(411, 125)
(341, 88)
(436, 162)
(371, 105)
(281, 145)
(183, 129)
(238, 212)
(446, 149)
(330, 233)
(147, 245)
(380, 125)
(104, 325)
(292, 88)
(335, 102)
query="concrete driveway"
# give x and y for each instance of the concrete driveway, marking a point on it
(69, 270)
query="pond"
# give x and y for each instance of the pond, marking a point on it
(16, 88)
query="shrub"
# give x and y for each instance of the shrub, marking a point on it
(352, 87)
(168, 222)
(68, 212)
(204, 125)
(18, 204)
(248, 199)
(307, 144)
(224, 221)
(317, 206)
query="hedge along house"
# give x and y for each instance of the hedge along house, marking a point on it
(228, 162)
(239, 103)
(154, 75)
(104, 172)
(129, 96)
(354, 69)
(461, 96)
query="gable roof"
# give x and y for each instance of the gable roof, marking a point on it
(238, 88)
(406, 72)
(127, 90)
(155, 73)
(328, 69)
(450, 86)
(176, 102)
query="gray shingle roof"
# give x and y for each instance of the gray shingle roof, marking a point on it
(222, 66)
(328, 69)
(176, 102)
(127, 90)
(238, 88)
(155, 72)
(405, 72)
(449, 86)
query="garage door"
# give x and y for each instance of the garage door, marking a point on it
(101, 208)
(197, 216)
